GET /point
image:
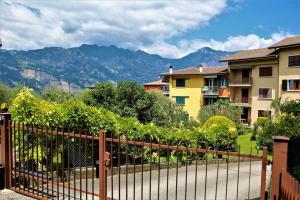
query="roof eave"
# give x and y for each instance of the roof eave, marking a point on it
(245, 59)
(284, 46)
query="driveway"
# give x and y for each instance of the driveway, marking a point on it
(213, 190)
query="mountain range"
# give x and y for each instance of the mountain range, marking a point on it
(83, 66)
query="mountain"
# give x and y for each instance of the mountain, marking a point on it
(83, 66)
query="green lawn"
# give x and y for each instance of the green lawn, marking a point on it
(245, 143)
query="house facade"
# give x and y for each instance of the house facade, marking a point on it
(261, 75)
(196, 86)
(158, 87)
(252, 80)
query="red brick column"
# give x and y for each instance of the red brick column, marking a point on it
(280, 154)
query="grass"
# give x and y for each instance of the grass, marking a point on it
(246, 144)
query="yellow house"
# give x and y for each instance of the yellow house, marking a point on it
(259, 76)
(192, 87)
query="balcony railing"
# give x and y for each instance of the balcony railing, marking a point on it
(211, 90)
(240, 82)
(242, 101)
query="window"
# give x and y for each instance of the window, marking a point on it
(265, 93)
(293, 84)
(223, 82)
(265, 71)
(180, 82)
(264, 113)
(180, 100)
(294, 61)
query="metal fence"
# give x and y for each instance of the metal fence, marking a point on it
(49, 163)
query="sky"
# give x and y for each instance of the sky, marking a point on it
(170, 28)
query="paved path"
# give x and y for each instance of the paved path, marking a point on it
(211, 192)
(11, 195)
(214, 189)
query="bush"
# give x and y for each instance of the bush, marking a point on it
(221, 132)
(259, 126)
(241, 129)
(284, 124)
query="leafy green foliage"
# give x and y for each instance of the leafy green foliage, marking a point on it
(259, 126)
(220, 131)
(54, 94)
(6, 95)
(291, 107)
(221, 108)
(75, 115)
(128, 99)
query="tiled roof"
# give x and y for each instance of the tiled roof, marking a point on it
(159, 82)
(291, 41)
(196, 71)
(250, 54)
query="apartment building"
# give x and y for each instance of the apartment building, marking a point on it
(196, 86)
(158, 87)
(258, 76)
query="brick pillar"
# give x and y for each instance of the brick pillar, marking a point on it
(102, 175)
(5, 148)
(280, 155)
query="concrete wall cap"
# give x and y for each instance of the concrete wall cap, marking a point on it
(279, 137)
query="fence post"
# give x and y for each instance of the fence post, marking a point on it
(263, 174)
(280, 154)
(102, 181)
(5, 148)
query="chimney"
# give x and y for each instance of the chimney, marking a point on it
(170, 69)
(200, 68)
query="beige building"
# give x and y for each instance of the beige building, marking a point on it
(258, 76)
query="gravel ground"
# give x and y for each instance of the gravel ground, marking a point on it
(8, 195)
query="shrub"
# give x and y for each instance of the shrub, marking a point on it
(221, 132)
(284, 124)
(259, 126)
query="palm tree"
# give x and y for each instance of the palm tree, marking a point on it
(276, 105)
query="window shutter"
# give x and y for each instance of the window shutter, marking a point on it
(291, 58)
(297, 61)
(284, 85)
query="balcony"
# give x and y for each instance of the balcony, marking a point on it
(243, 101)
(246, 122)
(211, 91)
(240, 82)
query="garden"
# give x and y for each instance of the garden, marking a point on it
(127, 111)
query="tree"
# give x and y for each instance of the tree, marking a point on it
(54, 94)
(276, 104)
(165, 112)
(222, 108)
(129, 99)
(7, 94)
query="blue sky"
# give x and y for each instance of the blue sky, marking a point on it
(262, 17)
(171, 28)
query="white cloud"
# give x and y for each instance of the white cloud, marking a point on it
(232, 43)
(29, 24)
(140, 24)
